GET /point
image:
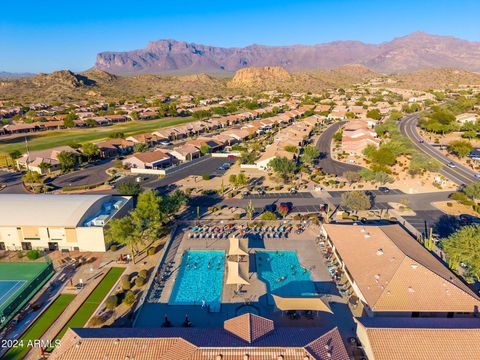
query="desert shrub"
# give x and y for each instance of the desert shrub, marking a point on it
(33, 254)
(143, 273)
(151, 251)
(113, 247)
(129, 298)
(125, 282)
(111, 302)
(96, 321)
(139, 281)
(206, 176)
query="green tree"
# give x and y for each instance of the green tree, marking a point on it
(32, 177)
(463, 246)
(129, 188)
(473, 190)
(68, 160)
(44, 167)
(140, 147)
(122, 231)
(90, 150)
(250, 210)
(356, 201)
(283, 167)
(91, 123)
(68, 121)
(460, 148)
(268, 216)
(134, 115)
(233, 180)
(205, 149)
(242, 179)
(15, 154)
(374, 114)
(310, 153)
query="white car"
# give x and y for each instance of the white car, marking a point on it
(451, 164)
(477, 176)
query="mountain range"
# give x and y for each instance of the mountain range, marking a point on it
(415, 51)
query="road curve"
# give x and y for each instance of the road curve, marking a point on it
(459, 175)
(326, 163)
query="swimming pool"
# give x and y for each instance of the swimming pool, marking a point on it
(283, 274)
(199, 280)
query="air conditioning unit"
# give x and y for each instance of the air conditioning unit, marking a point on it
(100, 221)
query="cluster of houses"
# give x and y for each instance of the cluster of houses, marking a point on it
(229, 130)
(244, 127)
(293, 135)
(358, 134)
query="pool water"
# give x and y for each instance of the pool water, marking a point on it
(283, 274)
(199, 280)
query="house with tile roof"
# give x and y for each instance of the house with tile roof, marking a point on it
(33, 159)
(392, 274)
(245, 337)
(148, 160)
(419, 339)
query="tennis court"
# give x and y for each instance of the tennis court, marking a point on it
(19, 282)
(9, 288)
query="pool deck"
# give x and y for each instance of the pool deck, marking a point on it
(253, 297)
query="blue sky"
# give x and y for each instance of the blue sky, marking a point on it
(47, 35)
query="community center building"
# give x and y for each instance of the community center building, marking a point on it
(58, 222)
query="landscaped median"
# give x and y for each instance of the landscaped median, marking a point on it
(86, 310)
(38, 328)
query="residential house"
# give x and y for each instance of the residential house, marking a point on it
(392, 274)
(185, 152)
(148, 160)
(115, 147)
(467, 117)
(146, 138)
(33, 160)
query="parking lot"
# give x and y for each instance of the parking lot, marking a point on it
(298, 195)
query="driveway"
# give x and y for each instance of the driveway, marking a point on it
(326, 163)
(459, 174)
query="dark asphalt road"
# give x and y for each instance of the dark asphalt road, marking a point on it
(13, 180)
(298, 195)
(326, 163)
(91, 174)
(459, 175)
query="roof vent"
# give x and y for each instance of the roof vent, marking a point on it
(116, 341)
(377, 277)
(414, 266)
(219, 357)
(367, 235)
(246, 357)
(410, 289)
(379, 252)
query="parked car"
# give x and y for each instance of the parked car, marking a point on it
(384, 189)
(293, 191)
(165, 143)
(287, 205)
(468, 219)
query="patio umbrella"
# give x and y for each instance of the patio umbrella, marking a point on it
(236, 274)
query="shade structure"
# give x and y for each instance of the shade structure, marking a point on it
(235, 275)
(300, 303)
(237, 247)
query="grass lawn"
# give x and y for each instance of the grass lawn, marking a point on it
(86, 310)
(49, 139)
(38, 328)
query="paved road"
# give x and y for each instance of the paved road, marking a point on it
(326, 163)
(459, 175)
(13, 180)
(91, 174)
(337, 194)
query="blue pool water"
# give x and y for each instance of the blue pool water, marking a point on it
(199, 280)
(272, 266)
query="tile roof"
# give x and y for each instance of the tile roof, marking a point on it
(249, 327)
(420, 338)
(197, 343)
(395, 273)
